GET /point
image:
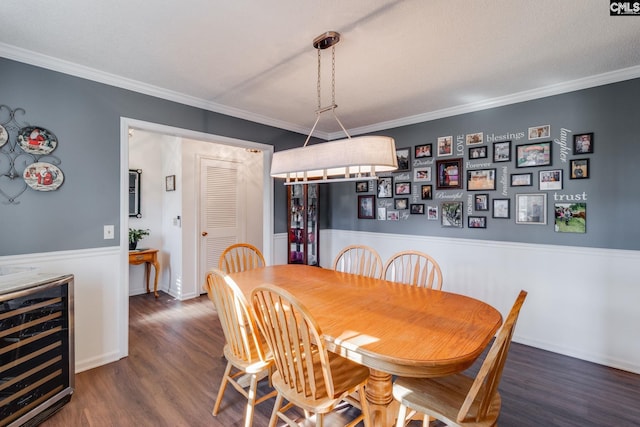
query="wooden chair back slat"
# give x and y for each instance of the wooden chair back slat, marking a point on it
(359, 259)
(413, 268)
(240, 257)
(488, 378)
(238, 325)
(295, 340)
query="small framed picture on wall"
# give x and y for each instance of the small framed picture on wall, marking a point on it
(583, 143)
(579, 168)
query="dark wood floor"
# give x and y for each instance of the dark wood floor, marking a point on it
(174, 368)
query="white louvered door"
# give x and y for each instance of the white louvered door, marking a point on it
(222, 209)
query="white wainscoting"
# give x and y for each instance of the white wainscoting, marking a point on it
(583, 302)
(98, 308)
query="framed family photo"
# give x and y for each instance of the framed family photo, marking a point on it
(502, 151)
(579, 168)
(362, 186)
(481, 179)
(448, 174)
(402, 188)
(426, 192)
(404, 159)
(451, 214)
(476, 221)
(417, 209)
(478, 152)
(536, 154)
(541, 131)
(385, 187)
(365, 207)
(422, 174)
(481, 202)
(401, 204)
(422, 151)
(475, 138)
(521, 179)
(550, 180)
(501, 208)
(531, 208)
(583, 143)
(445, 146)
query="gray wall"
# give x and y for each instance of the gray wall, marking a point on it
(85, 117)
(611, 112)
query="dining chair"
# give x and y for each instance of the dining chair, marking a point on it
(306, 374)
(459, 400)
(245, 350)
(413, 268)
(240, 257)
(359, 259)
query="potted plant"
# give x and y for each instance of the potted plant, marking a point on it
(136, 234)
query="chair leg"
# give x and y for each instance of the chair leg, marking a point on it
(276, 408)
(223, 385)
(251, 401)
(402, 415)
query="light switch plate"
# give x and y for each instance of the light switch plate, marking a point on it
(109, 232)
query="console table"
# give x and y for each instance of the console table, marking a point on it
(148, 257)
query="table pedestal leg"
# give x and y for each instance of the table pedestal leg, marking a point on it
(379, 396)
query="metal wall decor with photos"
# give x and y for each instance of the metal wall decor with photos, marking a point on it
(26, 150)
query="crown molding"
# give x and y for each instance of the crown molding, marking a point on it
(66, 67)
(529, 95)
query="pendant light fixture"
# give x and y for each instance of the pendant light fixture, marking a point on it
(341, 160)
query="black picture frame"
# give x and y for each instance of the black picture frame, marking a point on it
(451, 214)
(502, 151)
(501, 208)
(474, 221)
(449, 174)
(402, 188)
(423, 151)
(481, 179)
(135, 180)
(481, 202)
(417, 209)
(426, 192)
(403, 155)
(362, 186)
(385, 187)
(401, 204)
(170, 183)
(521, 179)
(366, 206)
(579, 169)
(534, 154)
(478, 152)
(583, 143)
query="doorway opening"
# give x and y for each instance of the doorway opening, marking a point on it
(178, 229)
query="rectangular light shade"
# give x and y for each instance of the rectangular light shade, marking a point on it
(347, 157)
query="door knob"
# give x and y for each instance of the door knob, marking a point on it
(204, 234)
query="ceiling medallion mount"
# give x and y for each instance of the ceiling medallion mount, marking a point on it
(341, 160)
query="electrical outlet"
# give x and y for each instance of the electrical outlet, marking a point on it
(109, 232)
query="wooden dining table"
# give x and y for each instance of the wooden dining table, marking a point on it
(391, 328)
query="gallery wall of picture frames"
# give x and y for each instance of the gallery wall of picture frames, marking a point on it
(26, 158)
(471, 168)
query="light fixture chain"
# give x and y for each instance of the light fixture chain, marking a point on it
(333, 75)
(318, 83)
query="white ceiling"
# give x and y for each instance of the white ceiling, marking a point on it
(399, 61)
